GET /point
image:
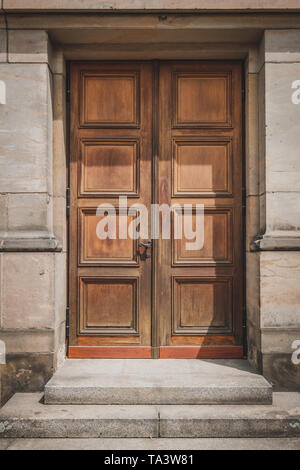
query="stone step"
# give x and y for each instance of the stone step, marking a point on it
(157, 381)
(25, 416)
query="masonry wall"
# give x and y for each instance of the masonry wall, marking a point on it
(32, 224)
(279, 193)
(33, 130)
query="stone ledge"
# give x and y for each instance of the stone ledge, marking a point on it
(144, 382)
(27, 417)
(275, 244)
(30, 244)
(112, 5)
(29, 341)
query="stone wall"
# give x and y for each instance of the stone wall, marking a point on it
(279, 192)
(32, 192)
(33, 129)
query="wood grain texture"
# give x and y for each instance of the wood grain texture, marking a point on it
(109, 98)
(218, 246)
(111, 251)
(202, 167)
(110, 156)
(109, 167)
(111, 352)
(202, 306)
(200, 297)
(168, 132)
(201, 98)
(100, 306)
(201, 352)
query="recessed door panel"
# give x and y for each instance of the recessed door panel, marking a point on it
(109, 167)
(202, 168)
(201, 99)
(109, 98)
(108, 305)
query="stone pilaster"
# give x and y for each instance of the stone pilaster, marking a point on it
(32, 238)
(278, 240)
(252, 200)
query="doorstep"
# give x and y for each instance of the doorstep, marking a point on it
(157, 381)
(25, 416)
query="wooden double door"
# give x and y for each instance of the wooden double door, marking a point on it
(165, 133)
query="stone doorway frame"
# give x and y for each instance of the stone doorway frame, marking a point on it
(249, 54)
(30, 47)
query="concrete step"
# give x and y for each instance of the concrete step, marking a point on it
(157, 381)
(285, 443)
(25, 416)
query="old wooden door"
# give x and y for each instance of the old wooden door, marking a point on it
(200, 291)
(111, 155)
(168, 133)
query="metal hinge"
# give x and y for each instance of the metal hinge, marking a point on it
(68, 202)
(67, 321)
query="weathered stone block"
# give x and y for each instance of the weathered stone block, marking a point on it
(28, 291)
(282, 45)
(26, 136)
(282, 151)
(25, 372)
(282, 209)
(279, 341)
(281, 372)
(280, 294)
(28, 212)
(28, 46)
(28, 341)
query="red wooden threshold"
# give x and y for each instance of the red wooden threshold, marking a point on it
(110, 352)
(201, 352)
(166, 352)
